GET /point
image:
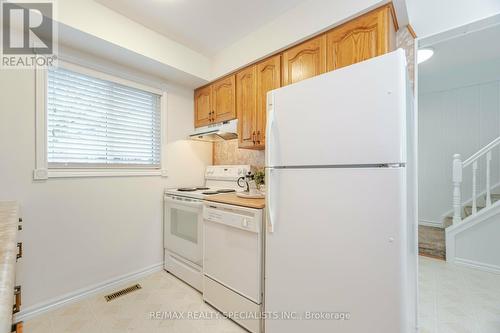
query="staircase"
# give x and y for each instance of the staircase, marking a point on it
(471, 234)
(439, 242)
(432, 240)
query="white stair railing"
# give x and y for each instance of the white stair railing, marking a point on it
(459, 166)
(457, 183)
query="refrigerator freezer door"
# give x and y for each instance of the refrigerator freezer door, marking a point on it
(354, 115)
(338, 246)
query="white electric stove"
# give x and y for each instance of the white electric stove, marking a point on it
(183, 221)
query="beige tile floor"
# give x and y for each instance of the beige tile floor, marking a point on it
(131, 313)
(457, 299)
(453, 299)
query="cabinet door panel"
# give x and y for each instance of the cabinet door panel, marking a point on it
(223, 99)
(305, 60)
(246, 106)
(268, 78)
(202, 107)
(360, 39)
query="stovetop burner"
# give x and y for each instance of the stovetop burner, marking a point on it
(225, 190)
(205, 190)
(210, 192)
(187, 189)
(192, 189)
(219, 191)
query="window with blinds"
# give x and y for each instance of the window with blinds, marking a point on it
(98, 123)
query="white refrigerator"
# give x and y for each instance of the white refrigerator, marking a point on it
(340, 249)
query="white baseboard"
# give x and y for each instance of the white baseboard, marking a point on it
(79, 294)
(478, 265)
(428, 223)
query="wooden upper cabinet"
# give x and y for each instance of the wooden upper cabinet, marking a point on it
(202, 106)
(268, 78)
(246, 106)
(304, 60)
(224, 99)
(365, 37)
(216, 102)
(244, 94)
(252, 86)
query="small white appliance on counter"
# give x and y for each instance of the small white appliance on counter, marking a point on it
(341, 232)
(232, 262)
(183, 221)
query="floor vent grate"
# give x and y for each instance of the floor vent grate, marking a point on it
(122, 292)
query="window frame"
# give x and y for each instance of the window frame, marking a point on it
(43, 171)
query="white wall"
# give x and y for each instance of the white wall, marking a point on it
(429, 17)
(455, 116)
(299, 23)
(83, 231)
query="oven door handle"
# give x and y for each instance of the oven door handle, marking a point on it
(187, 202)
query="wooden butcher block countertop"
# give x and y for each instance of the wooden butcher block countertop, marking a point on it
(233, 199)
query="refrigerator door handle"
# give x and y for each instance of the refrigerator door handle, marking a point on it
(269, 205)
(269, 126)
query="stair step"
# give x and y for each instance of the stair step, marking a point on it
(494, 197)
(468, 210)
(447, 221)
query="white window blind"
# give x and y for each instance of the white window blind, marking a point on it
(98, 123)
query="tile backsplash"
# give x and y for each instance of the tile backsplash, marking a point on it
(227, 152)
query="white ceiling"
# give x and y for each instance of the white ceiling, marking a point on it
(206, 26)
(429, 17)
(468, 49)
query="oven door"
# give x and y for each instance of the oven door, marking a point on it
(183, 227)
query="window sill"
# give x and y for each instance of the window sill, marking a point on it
(42, 174)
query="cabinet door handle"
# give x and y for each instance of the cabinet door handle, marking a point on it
(253, 137)
(20, 250)
(258, 136)
(17, 306)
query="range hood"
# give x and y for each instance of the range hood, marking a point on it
(226, 130)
